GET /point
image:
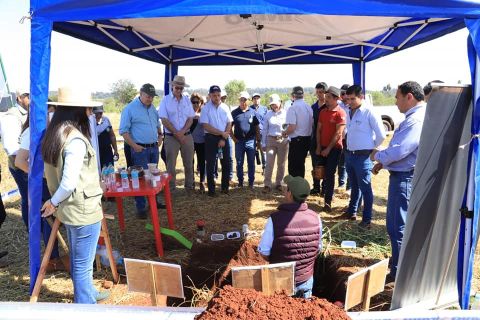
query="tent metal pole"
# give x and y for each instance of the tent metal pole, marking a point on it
(193, 58)
(113, 38)
(412, 35)
(336, 56)
(389, 33)
(240, 58)
(289, 57)
(147, 42)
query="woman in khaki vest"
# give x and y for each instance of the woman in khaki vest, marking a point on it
(73, 181)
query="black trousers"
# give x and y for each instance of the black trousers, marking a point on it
(3, 213)
(297, 153)
(211, 150)
(200, 151)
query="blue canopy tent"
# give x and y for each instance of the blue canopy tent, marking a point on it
(192, 32)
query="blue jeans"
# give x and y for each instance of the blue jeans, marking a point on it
(82, 242)
(248, 147)
(148, 155)
(330, 162)
(342, 171)
(304, 289)
(399, 191)
(21, 178)
(359, 170)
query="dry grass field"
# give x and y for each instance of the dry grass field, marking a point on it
(225, 213)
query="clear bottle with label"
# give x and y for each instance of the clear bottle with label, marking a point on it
(124, 176)
(111, 175)
(220, 153)
(135, 181)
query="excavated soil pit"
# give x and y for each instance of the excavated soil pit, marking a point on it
(232, 303)
(209, 268)
(331, 275)
(210, 264)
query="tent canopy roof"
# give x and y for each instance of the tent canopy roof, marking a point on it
(211, 32)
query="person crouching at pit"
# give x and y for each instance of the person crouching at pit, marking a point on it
(294, 221)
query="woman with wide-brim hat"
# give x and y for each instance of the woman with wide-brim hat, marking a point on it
(73, 181)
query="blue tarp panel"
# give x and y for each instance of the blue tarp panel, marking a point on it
(56, 14)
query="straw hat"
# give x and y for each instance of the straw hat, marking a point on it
(75, 98)
(179, 81)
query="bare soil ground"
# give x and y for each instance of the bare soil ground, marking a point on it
(225, 213)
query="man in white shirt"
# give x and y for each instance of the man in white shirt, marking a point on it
(10, 129)
(299, 130)
(365, 133)
(176, 113)
(217, 123)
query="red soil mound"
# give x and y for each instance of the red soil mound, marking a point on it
(231, 303)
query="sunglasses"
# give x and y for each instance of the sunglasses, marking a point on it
(178, 88)
(196, 102)
(343, 93)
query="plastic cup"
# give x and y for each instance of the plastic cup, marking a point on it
(151, 166)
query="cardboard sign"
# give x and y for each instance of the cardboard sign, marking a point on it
(155, 278)
(266, 278)
(364, 284)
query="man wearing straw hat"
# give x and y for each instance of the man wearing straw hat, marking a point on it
(331, 122)
(294, 233)
(140, 127)
(176, 113)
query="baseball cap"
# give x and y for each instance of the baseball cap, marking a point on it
(98, 109)
(148, 89)
(321, 85)
(333, 91)
(298, 186)
(275, 99)
(244, 94)
(297, 91)
(256, 94)
(21, 91)
(214, 88)
(223, 93)
(344, 87)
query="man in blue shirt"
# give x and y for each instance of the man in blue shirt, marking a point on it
(399, 159)
(365, 133)
(140, 127)
(260, 113)
(246, 133)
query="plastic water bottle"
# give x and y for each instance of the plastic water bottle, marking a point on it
(220, 153)
(124, 176)
(105, 175)
(102, 252)
(135, 182)
(476, 302)
(111, 175)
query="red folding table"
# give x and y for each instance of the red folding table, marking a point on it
(150, 192)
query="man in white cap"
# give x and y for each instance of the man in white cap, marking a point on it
(260, 112)
(176, 113)
(245, 135)
(140, 127)
(10, 129)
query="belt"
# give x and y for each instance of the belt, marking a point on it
(360, 152)
(148, 145)
(401, 172)
(276, 137)
(171, 134)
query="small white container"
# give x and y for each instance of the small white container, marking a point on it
(348, 244)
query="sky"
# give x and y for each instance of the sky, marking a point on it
(79, 63)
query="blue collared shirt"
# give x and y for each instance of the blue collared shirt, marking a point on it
(140, 121)
(401, 153)
(260, 113)
(364, 130)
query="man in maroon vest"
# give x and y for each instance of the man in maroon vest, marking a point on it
(293, 233)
